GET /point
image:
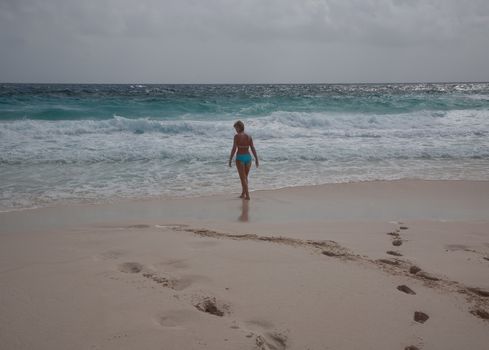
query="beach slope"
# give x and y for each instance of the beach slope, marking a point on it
(371, 265)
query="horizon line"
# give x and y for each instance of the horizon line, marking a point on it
(282, 83)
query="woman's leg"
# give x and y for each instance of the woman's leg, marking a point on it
(247, 171)
(242, 188)
(242, 176)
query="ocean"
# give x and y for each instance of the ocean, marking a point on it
(64, 143)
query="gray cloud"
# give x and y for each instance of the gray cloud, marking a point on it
(243, 41)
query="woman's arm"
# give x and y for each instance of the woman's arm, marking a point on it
(254, 152)
(232, 151)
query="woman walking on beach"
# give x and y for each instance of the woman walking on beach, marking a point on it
(242, 143)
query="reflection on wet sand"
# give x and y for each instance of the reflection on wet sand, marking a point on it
(245, 205)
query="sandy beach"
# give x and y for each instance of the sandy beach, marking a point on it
(369, 265)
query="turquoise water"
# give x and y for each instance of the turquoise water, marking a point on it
(72, 102)
(78, 143)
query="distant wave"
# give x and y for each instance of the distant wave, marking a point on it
(275, 125)
(205, 102)
(455, 134)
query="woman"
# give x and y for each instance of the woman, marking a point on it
(242, 143)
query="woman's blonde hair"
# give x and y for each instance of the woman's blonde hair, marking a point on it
(239, 125)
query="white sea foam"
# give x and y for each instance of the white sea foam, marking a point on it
(300, 123)
(45, 162)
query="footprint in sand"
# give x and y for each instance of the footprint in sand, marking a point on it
(210, 305)
(397, 242)
(176, 319)
(411, 347)
(130, 267)
(414, 269)
(393, 252)
(403, 228)
(271, 341)
(406, 289)
(421, 317)
(265, 337)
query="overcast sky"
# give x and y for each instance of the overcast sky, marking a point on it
(243, 41)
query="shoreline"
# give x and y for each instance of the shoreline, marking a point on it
(353, 201)
(354, 191)
(217, 195)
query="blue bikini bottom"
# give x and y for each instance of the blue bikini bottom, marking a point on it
(244, 158)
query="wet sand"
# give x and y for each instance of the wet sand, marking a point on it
(377, 265)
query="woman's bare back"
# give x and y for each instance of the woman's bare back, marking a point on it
(243, 142)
